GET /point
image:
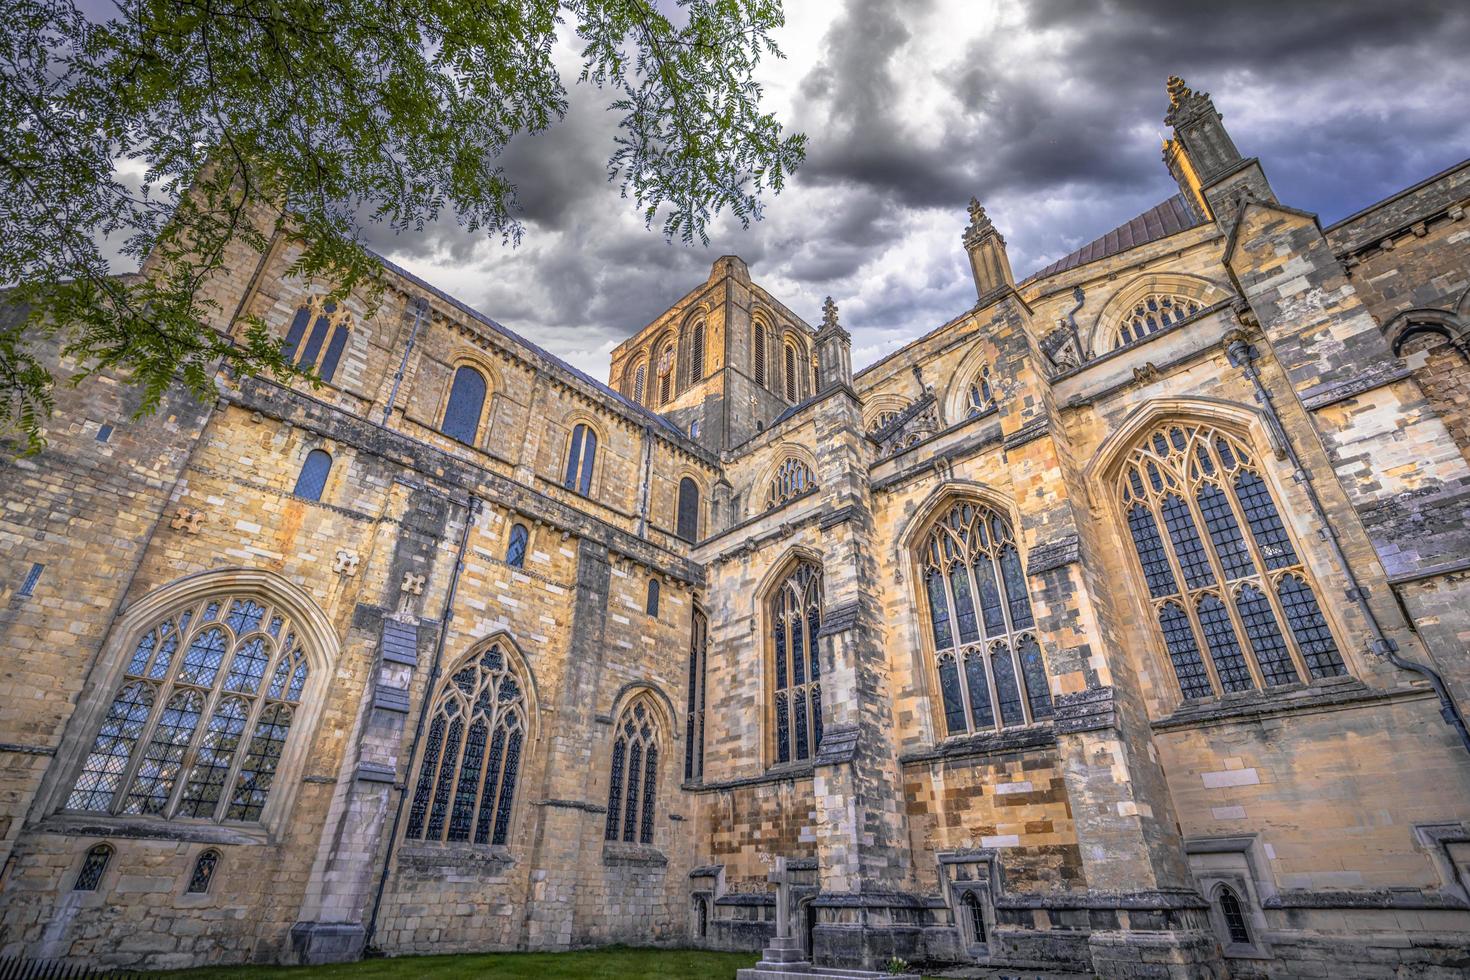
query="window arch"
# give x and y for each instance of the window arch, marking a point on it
(1153, 313)
(633, 782)
(990, 667)
(695, 353)
(790, 372)
(203, 874)
(313, 477)
(202, 716)
(94, 866)
(1229, 592)
(465, 405)
(760, 353)
(472, 754)
(1236, 927)
(664, 368)
(792, 479)
(319, 353)
(687, 519)
(581, 458)
(650, 605)
(974, 917)
(795, 611)
(694, 716)
(637, 377)
(515, 549)
(980, 397)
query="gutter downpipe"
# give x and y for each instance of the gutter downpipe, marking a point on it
(420, 307)
(435, 669)
(1243, 355)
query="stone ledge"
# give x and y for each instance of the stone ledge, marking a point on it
(101, 825)
(1091, 710)
(1332, 392)
(1327, 695)
(1380, 898)
(616, 853)
(839, 745)
(1029, 432)
(1052, 555)
(984, 744)
(839, 619)
(776, 774)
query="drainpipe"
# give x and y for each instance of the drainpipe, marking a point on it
(435, 668)
(420, 306)
(1243, 355)
(1080, 297)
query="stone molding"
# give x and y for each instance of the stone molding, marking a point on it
(839, 745)
(1330, 393)
(1323, 695)
(1030, 432)
(984, 745)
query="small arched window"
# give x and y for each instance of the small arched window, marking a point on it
(701, 916)
(203, 873)
(687, 519)
(633, 781)
(793, 478)
(466, 403)
(313, 478)
(94, 866)
(796, 622)
(581, 457)
(1152, 314)
(974, 917)
(650, 605)
(790, 365)
(319, 354)
(472, 755)
(694, 717)
(981, 397)
(666, 373)
(640, 376)
(515, 550)
(760, 354)
(1234, 914)
(696, 353)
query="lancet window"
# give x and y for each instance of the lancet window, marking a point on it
(980, 397)
(694, 716)
(633, 783)
(796, 623)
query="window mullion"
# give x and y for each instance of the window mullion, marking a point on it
(191, 751)
(958, 646)
(1269, 577)
(1182, 591)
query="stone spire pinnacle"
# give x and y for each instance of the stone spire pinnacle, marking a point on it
(987, 249)
(829, 314)
(834, 351)
(980, 226)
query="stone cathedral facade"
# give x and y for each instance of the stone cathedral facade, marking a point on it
(1118, 625)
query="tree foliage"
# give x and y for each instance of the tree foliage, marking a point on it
(183, 131)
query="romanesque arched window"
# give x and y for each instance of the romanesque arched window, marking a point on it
(980, 397)
(790, 365)
(633, 783)
(472, 754)
(988, 658)
(203, 874)
(1236, 612)
(793, 478)
(687, 517)
(319, 354)
(466, 403)
(760, 353)
(696, 352)
(694, 716)
(1153, 313)
(581, 458)
(313, 477)
(200, 720)
(515, 549)
(796, 622)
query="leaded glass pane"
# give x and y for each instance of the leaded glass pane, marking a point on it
(1235, 924)
(201, 662)
(1265, 637)
(440, 812)
(630, 812)
(650, 784)
(245, 616)
(293, 335)
(485, 818)
(938, 610)
(615, 790)
(798, 723)
(1156, 570)
(1220, 639)
(798, 651)
(982, 714)
(1015, 579)
(433, 746)
(949, 688)
(783, 730)
(334, 353)
(203, 873)
(1187, 545)
(94, 865)
(1007, 692)
(307, 361)
(248, 666)
(515, 552)
(258, 769)
(159, 769)
(103, 770)
(1194, 682)
(1230, 547)
(206, 782)
(462, 816)
(816, 690)
(780, 637)
(1033, 671)
(1265, 522)
(1308, 626)
(507, 787)
(990, 601)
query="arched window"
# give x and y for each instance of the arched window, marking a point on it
(650, 605)
(313, 478)
(687, 520)
(989, 661)
(974, 914)
(320, 354)
(640, 377)
(94, 866)
(696, 353)
(201, 718)
(633, 786)
(694, 717)
(581, 457)
(883, 419)
(760, 354)
(796, 622)
(701, 918)
(515, 550)
(1189, 493)
(472, 754)
(793, 478)
(1234, 915)
(665, 370)
(466, 402)
(790, 371)
(1154, 313)
(203, 873)
(980, 397)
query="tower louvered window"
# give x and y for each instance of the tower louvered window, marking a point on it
(199, 723)
(472, 754)
(793, 478)
(790, 365)
(1153, 314)
(633, 783)
(640, 377)
(694, 716)
(696, 352)
(796, 623)
(1229, 593)
(760, 354)
(991, 670)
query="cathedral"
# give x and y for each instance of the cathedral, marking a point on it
(1118, 625)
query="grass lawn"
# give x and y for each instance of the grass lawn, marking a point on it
(608, 963)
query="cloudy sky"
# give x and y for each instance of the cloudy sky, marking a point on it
(1049, 111)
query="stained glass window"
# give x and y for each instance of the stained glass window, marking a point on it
(581, 458)
(633, 791)
(467, 775)
(793, 478)
(203, 873)
(1265, 636)
(186, 737)
(466, 403)
(795, 616)
(973, 567)
(515, 551)
(1194, 681)
(94, 866)
(1304, 618)
(694, 716)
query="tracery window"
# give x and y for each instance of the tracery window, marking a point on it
(988, 659)
(883, 419)
(324, 319)
(790, 372)
(980, 397)
(472, 755)
(793, 478)
(1154, 313)
(199, 723)
(633, 786)
(687, 518)
(515, 550)
(581, 457)
(796, 622)
(94, 866)
(313, 477)
(466, 402)
(694, 716)
(1236, 612)
(203, 874)
(1234, 915)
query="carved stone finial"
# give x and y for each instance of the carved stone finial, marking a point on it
(1184, 102)
(980, 225)
(829, 313)
(1178, 91)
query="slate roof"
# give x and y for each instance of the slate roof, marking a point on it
(1160, 221)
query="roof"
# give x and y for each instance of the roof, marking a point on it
(1160, 221)
(1381, 218)
(516, 338)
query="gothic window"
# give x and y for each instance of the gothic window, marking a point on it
(760, 354)
(313, 478)
(201, 718)
(650, 605)
(632, 788)
(1230, 594)
(1154, 313)
(883, 419)
(790, 366)
(581, 457)
(665, 371)
(694, 716)
(793, 478)
(989, 661)
(472, 755)
(974, 917)
(466, 402)
(319, 354)
(687, 519)
(515, 551)
(94, 866)
(980, 398)
(701, 914)
(638, 378)
(796, 621)
(203, 873)
(696, 352)
(1234, 915)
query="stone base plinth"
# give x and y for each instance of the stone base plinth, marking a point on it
(313, 943)
(1135, 954)
(783, 959)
